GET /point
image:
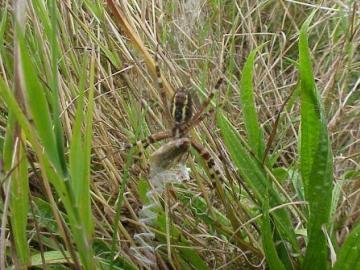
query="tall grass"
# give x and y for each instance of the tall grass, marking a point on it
(78, 84)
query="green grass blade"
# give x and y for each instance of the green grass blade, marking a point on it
(95, 8)
(104, 258)
(85, 203)
(190, 255)
(49, 174)
(8, 141)
(38, 106)
(58, 130)
(248, 167)
(80, 151)
(51, 257)
(349, 254)
(119, 201)
(76, 156)
(78, 233)
(43, 15)
(48, 19)
(268, 243)
(199, 205)
(3, 23)
(254, 132)
(80, 167)
(256, 179)
(19, 204)
(9, 99)
(7, 150)
(316, 159)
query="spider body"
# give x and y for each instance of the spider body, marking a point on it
(169, 154)
(181, 111)
(181, 106)
(183, 120)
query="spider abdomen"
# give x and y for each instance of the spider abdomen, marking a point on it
(181, 106)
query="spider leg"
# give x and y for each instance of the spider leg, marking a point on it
(186, 127)
(198, 116)
(143, 144)
(153, 138)
(213, 171)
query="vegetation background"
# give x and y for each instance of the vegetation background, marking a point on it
(77, 84)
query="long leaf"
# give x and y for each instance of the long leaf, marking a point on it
(51, 257)
(19, 203)
(55, 105)
(80, 170)
(85, 205)
(255, 177)
(268, 242)
(190, 255)
(9, 142)
(14, 108)
(47, 171)
(3, 22)
(80, 151)
(53, 176)
(349, 254)
(38, 106)
(254, 132)
(76, 157)
(316, 159)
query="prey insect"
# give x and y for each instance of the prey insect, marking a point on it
(183, 120)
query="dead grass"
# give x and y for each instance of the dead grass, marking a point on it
(197, 41)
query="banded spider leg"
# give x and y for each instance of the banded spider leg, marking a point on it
(183, 119)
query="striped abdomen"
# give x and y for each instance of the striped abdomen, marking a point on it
(181, 106)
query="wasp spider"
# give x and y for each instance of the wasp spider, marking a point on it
(184, 120)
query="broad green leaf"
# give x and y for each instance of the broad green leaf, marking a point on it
(255, 177)
(248, 166)
(254, 132)
(79, 235)
(349, 254)
(7, 151)
(80, 152)
(315, 158)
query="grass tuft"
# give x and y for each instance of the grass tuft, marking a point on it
(78, 84)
